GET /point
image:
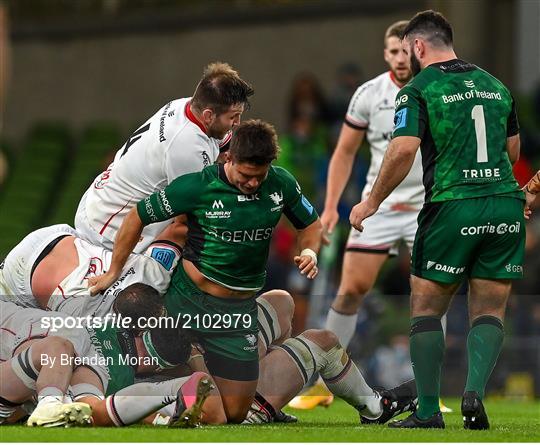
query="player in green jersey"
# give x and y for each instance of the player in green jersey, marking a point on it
(472, 223)
(231, 210)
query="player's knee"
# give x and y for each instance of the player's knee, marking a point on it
(323, 338)
(282, 301)
(238, 413)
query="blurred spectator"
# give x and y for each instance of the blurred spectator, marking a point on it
(304, 153)
(348, 78)
(306, 98)
(391, 365)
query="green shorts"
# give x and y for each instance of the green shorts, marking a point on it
(474, 238)
(226, 328)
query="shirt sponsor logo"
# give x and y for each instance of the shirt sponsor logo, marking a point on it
(514, 268)
(242, 236)
(307, 205)
(455, 270)
(469, 84)
(248, 198)
(483, 173)
(402, 100)
(471, 94)
(165, 203)
(500, 229)
(150, 210)
(400, 119)
(163, 256)
(162, 137)
(206, 159)
(218, 214)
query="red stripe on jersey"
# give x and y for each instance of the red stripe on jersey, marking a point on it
(393, 79)
(193, 118)
(112, 216)
(226, 139)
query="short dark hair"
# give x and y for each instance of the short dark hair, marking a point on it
(219, 88)
(172, 344)
(254, 142)
(138, 301)
(395, 30)
(433, 26)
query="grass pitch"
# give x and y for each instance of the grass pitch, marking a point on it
(510, 422)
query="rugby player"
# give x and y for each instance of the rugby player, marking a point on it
(472, 224)
(232, 210)
(96, 362)
(184, 136)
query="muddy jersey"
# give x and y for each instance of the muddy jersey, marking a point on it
(372, 109)
(170, 144)
(463, 115)
(229, 232)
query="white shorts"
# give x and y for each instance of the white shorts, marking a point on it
(383, 232)
(18, 325)
(15, 277)
(88, 232)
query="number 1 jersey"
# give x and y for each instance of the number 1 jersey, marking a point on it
(463, 115)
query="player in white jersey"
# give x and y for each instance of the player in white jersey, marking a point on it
(50, 268)
(370, 114)
(183, 137)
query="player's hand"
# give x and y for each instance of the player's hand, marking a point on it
(529, 199)
(360, 212)
(101, 283)
(307, 266)
(329, 219)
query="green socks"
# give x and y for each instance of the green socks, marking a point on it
(484, 344)
(427, 353)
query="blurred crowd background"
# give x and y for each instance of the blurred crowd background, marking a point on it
(78, 76)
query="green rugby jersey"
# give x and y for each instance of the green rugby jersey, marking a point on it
(115, 346)
(229, 232)
(463, 116)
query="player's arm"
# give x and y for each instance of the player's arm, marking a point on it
(513, 143)
(531, 190)
(339, 172)
(303, 216)
(177, 198)
(309, 242)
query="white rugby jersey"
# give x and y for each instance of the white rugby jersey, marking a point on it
(170, 144)
(154, 268)
(372, 109)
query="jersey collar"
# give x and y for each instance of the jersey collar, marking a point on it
(193, 118)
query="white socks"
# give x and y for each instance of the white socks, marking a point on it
(342, 325)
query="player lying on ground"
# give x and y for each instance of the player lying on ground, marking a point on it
(299, 358)
(232, 210)
(50, 268)
(95, 363)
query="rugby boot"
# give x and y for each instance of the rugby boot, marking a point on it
(316, 395)
(54, 414)
(395, 401)
(435, 421)
(474, 414)
(189, 401)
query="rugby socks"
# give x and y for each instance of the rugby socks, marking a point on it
(484, 344)
(338, 371)
(50, 394)
(427, 353)
(131, 404)
(343, 325)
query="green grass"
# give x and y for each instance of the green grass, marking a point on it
(511, 422)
